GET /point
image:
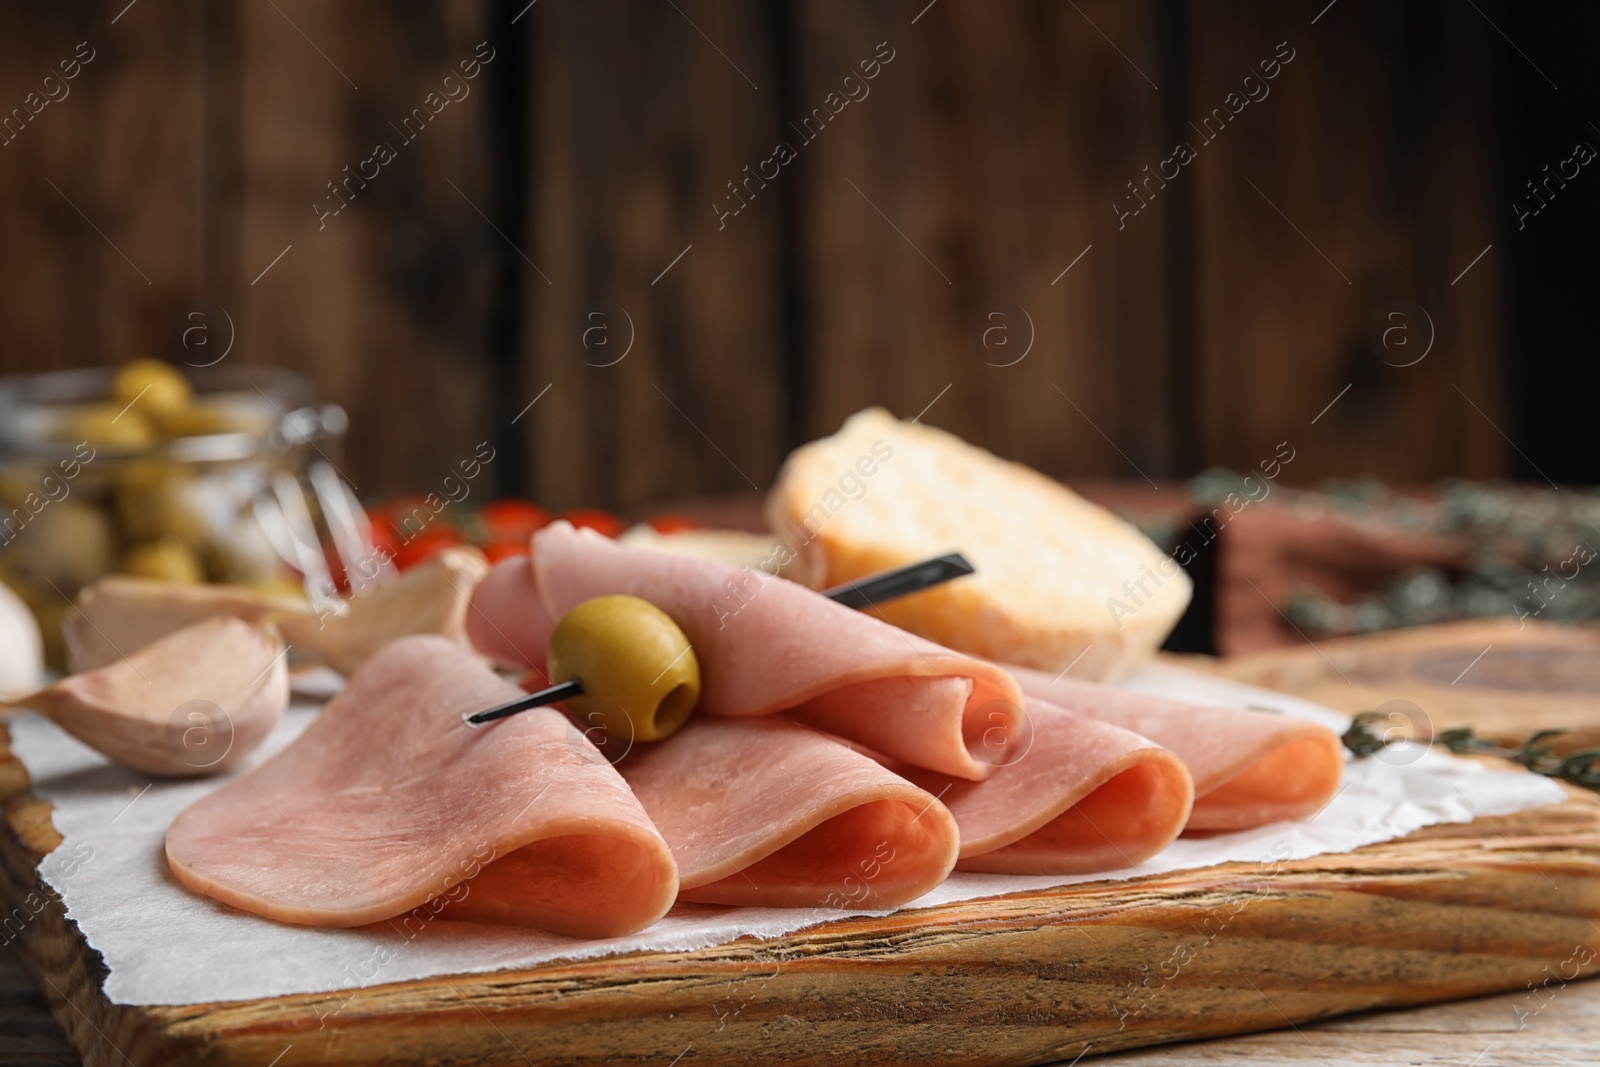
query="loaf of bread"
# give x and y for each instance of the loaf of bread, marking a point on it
(1060, 582)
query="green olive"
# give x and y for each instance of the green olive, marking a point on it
(105, 426)
(67, 544)
(167, 560)
(639, 673)
(159, 387)
(195, 420)
(159, 498)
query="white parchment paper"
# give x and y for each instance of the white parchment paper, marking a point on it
(165, 945)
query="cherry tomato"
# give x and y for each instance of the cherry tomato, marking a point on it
(499, 550)
(395, 509)
(428, 542)
(511, 520)
(594, 519)
(384, 537)
(341, 580)
(669, 524)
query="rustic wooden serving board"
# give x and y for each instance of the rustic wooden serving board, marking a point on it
(1449, 912)
(1504, 677)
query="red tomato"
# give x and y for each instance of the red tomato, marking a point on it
(341, 580)
(500, 550)
(511, 520)
(383, 532)
(428, 542)
(595, 519)
(668, 524)
(397, 508)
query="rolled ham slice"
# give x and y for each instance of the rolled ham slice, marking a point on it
(1250, 768)
(388, 803)
(506, 618)
(771, 813)
(1083, 797)
(768, 645)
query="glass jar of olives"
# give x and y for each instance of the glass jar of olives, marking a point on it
(148, 470)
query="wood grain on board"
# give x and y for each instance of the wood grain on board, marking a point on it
(1525, 1028)
(1504, 678)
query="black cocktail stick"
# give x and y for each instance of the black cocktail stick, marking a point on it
(552, 695)
(902, 581)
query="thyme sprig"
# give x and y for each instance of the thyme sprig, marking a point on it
(1536, 753)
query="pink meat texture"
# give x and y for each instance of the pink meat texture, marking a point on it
(772, 813)
(388, 803)
(1082, 796)
(767, 645)
(1250, 768)
(506, 618)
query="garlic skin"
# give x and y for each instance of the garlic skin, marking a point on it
(21, 647)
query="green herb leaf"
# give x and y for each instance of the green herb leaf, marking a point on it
(1537, 753)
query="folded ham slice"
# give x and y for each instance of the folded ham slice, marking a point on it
(768, 645)
(768, 812)
(388, 803)
(506, 618)
(1085, 796)
(1250, 768)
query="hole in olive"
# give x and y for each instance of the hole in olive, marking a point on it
(673, 710)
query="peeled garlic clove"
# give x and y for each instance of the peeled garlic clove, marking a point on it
(118, 615)
(430, 598)
(192, 703)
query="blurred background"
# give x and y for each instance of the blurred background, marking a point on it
(636, 251)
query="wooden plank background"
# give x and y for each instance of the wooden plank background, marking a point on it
(565, 212)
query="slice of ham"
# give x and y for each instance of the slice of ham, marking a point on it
(1084, 797)
(1250, 768)
(388, 803)
(768, 645)
(771, 813)
(506, 618)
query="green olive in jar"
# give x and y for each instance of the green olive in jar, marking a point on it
(158, 388)
(65, 545)
(112, 426)
(639, 673)
(159, 498)
(167, 560)
(198, 419)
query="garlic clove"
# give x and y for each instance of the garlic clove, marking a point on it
(118, 615)
(430, 598)
(21, 647)
(193, 702)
